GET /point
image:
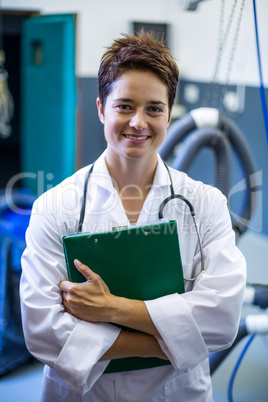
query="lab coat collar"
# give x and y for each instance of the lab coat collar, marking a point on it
(101, 176)
(161, 177)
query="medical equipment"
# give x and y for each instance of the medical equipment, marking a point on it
(206, 127)
(256, 295)
(252, 324)
(160, 215)
(192, 211)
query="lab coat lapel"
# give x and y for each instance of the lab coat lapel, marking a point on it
(158, 192)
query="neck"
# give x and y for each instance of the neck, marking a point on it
(132, 175)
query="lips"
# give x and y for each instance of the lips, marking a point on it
(136, 137)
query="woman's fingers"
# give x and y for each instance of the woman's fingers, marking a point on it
(84, 269)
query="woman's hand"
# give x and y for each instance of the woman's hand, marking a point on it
(90, 300)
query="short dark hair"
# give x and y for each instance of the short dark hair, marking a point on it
(143, 52)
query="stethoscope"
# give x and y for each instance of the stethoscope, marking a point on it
(160, 214)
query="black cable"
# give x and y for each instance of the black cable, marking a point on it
(83, 208)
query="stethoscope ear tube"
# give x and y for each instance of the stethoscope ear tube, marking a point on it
(83, 207)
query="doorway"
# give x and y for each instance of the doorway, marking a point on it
(40, 60)
(10, 160)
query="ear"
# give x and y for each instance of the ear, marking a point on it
(100, 110)
(169, 117)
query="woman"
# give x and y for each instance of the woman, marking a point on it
(69, 326)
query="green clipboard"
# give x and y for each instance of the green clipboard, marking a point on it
(141, 263)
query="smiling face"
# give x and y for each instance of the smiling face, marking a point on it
(135, 116)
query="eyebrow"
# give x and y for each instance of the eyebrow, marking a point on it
(128, 100)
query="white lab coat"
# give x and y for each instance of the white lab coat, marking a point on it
(202, 320)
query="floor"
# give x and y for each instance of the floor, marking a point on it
(251, 382)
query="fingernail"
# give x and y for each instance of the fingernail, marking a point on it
(77, 262)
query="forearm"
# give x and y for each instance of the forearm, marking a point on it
(132, 314)
(134, 344)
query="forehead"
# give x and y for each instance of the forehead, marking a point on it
(139, 84)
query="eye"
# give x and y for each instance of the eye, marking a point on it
(123, 107)
(155, 109)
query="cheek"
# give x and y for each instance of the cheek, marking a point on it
(110, 128)
(114, 125)
(161, 127)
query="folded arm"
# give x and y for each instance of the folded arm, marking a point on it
(92, 301)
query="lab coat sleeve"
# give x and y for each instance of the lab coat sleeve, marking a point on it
(205, 319)
(71, 346)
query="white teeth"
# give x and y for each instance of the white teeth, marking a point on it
(137, 138)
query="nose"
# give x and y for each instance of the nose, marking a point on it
(138, 120)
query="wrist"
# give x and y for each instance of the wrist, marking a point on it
(125, 311)
(133, 314)
(117, 309)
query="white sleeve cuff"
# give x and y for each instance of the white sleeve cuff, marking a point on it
(181, 339)
(78, 363)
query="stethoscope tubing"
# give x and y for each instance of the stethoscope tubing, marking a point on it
(160, 214)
